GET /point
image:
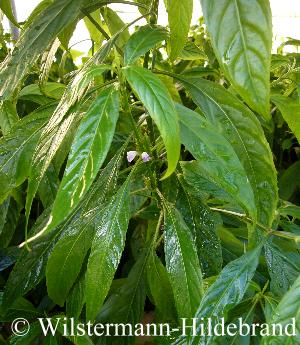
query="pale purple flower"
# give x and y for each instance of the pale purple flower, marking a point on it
(131, 155)
(145, 157)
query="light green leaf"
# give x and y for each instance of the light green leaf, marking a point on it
(88, 152)
(62, 122)
(241, 34)
(5, 6)
(115, 24)
(106, 251)
(216, 157)
(158, 102)
(287, 310)
(76, 298)
(179, 17)
(8, 116)
(192, 52)
(95, 34)
(240, 127)
(34, 41)
(225, 293)
(290, 110)
(182, 263)
(68, 254)
(145, 38)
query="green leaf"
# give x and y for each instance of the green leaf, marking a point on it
(288, 182)
(9, 217)
(287, 309)
(17, 147)
(62, 122)
(115, 24)
(161, 290)
(8, 116)
(76, 298)
(216, 157)
(182, 263)
(290, 110)
(158, 102)
(226, 292)
(88, 152)
(34, 41)
(126, 304)
(106, 251)
(5, 6)
(31, 267)
(68, 254)
(95, 34)
(192, 52)
(284, 268)
(241, 34)
(145, 38)
(241, 128)
(203, 224)
(179, 17)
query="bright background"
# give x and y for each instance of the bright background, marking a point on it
(286, 19)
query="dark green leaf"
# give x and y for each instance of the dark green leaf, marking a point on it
(160, 289)
(158, 102)
(66, 260)
(241, 34)
(16, 149)
(107, 248)
(241, 128)
(216, 157)
(182, 263)
(145, 38)
(5, 6)
(287, 310)
(226, 292)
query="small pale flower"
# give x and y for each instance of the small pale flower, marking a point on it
(145, 157)
(131, 155)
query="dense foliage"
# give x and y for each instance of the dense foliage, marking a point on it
(157, 181)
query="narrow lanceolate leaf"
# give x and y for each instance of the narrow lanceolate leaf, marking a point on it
(5, 6)
(160, 288)
(8, 116)
(106, 251)
(241, 128)
(290, 110)
(241, 34)
(30, 269)
(126, 304)
(68, 254)
(182, 263)
(286, 313)
(156, 98)
(203, 224)
(225, 293)
(62, 122)
(179, 17)
(88, 151)
(145, 38)
(34, 41)
(17, 147)
(216, 157)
